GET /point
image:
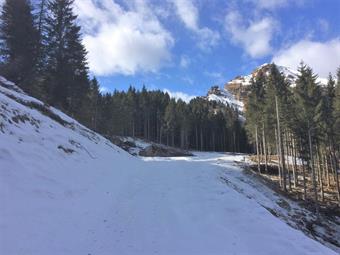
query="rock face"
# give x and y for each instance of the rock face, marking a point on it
(225, 97)
(239, 87)
(139, 147)
(158, 150)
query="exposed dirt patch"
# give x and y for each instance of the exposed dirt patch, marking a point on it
(300, 213)
(66, 150)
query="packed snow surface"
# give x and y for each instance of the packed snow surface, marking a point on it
(67, 190)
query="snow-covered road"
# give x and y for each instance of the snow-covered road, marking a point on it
(155, 206)
(181, 206)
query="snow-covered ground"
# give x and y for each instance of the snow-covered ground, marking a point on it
(66, 190)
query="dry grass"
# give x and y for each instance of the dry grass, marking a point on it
(297, 192)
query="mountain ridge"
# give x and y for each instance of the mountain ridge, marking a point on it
(235, 92)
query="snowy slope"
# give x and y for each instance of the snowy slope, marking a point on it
(225, 97)
(66, 190)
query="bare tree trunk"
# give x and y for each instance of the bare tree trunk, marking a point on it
(133, 128)
(304, 180)
(281, 146)
(288, 163)
(327, 171)
(295, 164)
(336, 175)
(257, 150)
(265, 149)
(160, 134)
(196, 136)
(261, 148)
(201, 135)
(213, 141)
(278, 156)
(332, 165)
(182, 138)
(303, 175)
(149, 129)
(313, 169)
(320, 175)
(234, 142)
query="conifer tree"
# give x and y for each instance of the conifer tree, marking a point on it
(93, 98)
(336, 112)
(255, 110)
(336, 145)
(40, 16)
(18, 44)
(184, 122)
(67, 71)
(170, 122)
(307, 93)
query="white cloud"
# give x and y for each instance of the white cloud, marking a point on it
(123, 41)
(179, 95)
(188, 80)
(185, 61)
(275, 4)
(254, 37)
(217, 77)
(270, 4)
(323, 57)
(189, 15)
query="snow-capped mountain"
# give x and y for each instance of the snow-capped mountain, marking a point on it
(235, 92)
(290, 74)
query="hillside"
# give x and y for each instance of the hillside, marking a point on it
(64, 189)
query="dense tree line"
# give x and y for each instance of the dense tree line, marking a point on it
(42, 52)
(153, 115)
(301, 125)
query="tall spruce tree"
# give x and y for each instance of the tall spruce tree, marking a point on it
(41, 14)
(308, 95)
(336, 144)
(255, 110)
(93, 103)
(336, 112)
(18, 44)
(325, 109)
(66, 72)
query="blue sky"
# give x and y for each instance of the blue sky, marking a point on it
(189, 45)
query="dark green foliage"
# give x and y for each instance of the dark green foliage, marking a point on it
(324, 112)
(66, 75)
(307, 95)
(255, 107)
(336, 113)
(152, 115)
(301, 121)
(18, 44)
